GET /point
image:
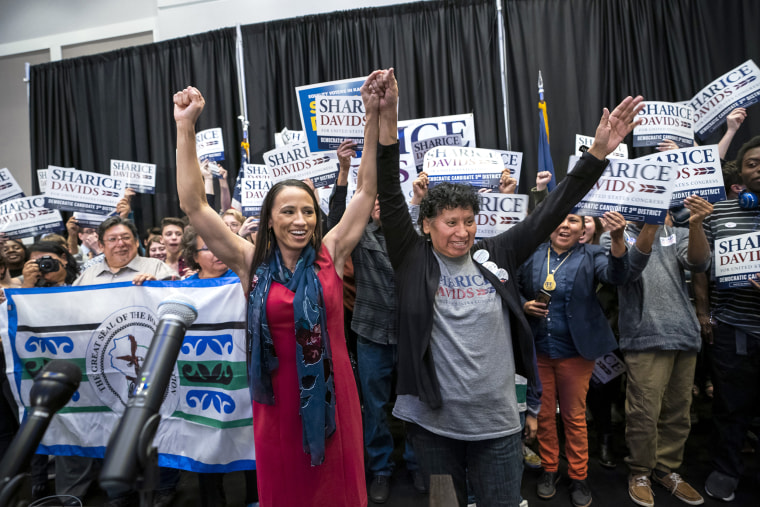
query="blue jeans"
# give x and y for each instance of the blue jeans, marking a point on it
(376, 365)
(494, 466)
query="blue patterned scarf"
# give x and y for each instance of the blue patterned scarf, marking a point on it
(313, 358)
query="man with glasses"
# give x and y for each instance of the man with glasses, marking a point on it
(117, 237)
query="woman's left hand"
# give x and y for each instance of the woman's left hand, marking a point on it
(531, 427)
(613, 222)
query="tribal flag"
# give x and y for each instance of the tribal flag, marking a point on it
(544, 154)
(107, 330)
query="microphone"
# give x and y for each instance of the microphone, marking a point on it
(52, 389)
(130, 447)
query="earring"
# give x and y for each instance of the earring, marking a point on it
(270, 233)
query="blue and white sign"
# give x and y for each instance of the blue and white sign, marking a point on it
(500, 212)
(9, 187)
(583, 143)
(737, 260)
(739, 87)
(294, 161)
(638, 189)
(253, 188)
(664, 120)
(42, 179)
(74, 190)
(340, 118)
(423, 146)
(478, 167)
(512, 161)
(140, 177)
(307, 106)
(90, 220)
(27, 216)
(209, 144)
(698, 172)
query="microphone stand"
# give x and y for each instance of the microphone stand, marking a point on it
(9, 487)
(148, 475)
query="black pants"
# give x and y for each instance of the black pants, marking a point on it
(736, 377)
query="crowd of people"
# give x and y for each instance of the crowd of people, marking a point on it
(485, 341)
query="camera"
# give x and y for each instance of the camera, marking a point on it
(48, 264)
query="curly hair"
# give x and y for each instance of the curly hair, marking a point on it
(448, 196)
(189, 246)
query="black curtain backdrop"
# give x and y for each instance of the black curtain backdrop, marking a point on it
(592, 53)
(118, 105)
(445, 55)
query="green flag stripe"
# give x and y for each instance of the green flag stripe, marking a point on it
(226, 375)
(238, 423)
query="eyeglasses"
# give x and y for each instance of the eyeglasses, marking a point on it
(204, 249)
(115, 239)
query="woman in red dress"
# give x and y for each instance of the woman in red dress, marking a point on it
(307, 419)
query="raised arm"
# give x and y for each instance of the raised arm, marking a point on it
(377, 92)
(228, 247)
(521, 240)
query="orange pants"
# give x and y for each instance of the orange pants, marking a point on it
(567, 379)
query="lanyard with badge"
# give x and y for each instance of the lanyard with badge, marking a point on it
(549, 283)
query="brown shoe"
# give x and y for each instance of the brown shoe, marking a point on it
(679, 488)
(640, 490)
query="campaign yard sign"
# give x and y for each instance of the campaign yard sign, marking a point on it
(499, 212)
(698, 172)
(583, 143)
(340, 118)
(420, 129)
(419, 148)
(307, 106)
(140, 177)
(27, 216)
(513, 161)
(253, 188)
(737, 260)
(664, 120)
(478, 167)
(90, 220)
(638, 189)
(739, 87)
(75, 190)
(9, 187)
(288, 136)
(294, 161)
(42, 179)
(209, 144)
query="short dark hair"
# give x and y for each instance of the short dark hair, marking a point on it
(751, 144)
(266, 241)
(45, 246)
(448, 196)
(113, 222)
(172, 221)
(189, 246)
(731, 175)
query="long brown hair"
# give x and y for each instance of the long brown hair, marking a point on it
(265, 238)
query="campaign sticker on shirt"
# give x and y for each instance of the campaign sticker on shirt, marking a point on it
(630, 240)
(502, 275)
(730, 225)
(491, 266)
(481, 256)
(669, 240)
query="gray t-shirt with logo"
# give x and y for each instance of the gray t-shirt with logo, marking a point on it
(471, 345)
